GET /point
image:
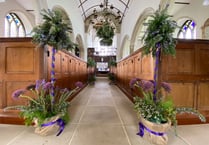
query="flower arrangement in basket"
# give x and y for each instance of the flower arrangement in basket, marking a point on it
(156, 116)
(47, 107)
(45, 112)
(155, 107)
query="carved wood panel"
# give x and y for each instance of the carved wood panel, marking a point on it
(19, 59)
(183, 94)
(137, 65)
(203, 60)
(2, 101)
(65, 69)
(183, 62)
(10, 87)
(203, 96)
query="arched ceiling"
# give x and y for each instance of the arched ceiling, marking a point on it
(115, 7)
(97, 11)
(92, 11)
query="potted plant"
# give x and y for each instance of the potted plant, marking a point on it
(111, 75)
(46, 117)
(91, 68)
(155, 107)
(47, 105)
(106, 33)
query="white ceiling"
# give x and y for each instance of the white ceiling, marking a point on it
(28, 4)
(116, 7)
(87, 7)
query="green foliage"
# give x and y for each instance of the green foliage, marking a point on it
(106, 33)
(53, 31)
(40, 105)
(189, 110)
(159, 34)
(112, 77)
(91, 78)
(157, 112)
(161, 111)
(112, 62)
(106, 41)
(91, 62)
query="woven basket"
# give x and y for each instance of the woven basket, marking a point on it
(156, 128)
(47, 130)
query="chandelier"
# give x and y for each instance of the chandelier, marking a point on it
(111, 11)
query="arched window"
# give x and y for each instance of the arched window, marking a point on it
(14, 26)
(187, 30)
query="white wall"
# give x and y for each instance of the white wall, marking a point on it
(74, 13)
(134, 11)
(13, 6)
(197, 12)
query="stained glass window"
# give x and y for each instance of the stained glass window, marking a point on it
(187, 30)
(14, 26)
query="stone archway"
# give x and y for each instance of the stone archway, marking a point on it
(125, 48)
(79, 51)
(66, 19)
(138, 29)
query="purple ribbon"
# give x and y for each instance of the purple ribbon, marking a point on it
(141, 131)
(59, 122)
(156, 75)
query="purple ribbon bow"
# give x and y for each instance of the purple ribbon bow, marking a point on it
(59, 122)
(141, 131)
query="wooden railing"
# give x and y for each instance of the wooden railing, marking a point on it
(21, 64)
(187, 72)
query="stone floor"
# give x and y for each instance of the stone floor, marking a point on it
(101, 115)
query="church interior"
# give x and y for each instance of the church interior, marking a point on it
(105, 62)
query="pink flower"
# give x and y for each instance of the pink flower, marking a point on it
(17, 93)
(146, 85)
(166, 86)
(40, 83)
(79, 84)
(133, 82)
(47, 86)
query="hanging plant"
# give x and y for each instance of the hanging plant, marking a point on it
(106, 33)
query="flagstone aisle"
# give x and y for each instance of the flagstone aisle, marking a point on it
(100, 115)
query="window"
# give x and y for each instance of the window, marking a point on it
(14, 26)
(187, 30)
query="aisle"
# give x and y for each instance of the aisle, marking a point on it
(100, 115)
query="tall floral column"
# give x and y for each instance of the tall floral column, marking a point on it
(54, 32)
(156, 74)
(154, 110)
(53, 73)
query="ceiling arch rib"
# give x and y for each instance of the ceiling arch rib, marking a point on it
(96, 11)
(115, 6)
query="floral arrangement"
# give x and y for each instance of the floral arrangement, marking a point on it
(161, 111)
(91, 74)
(40, 106)
(155, 106)
(54, 32)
